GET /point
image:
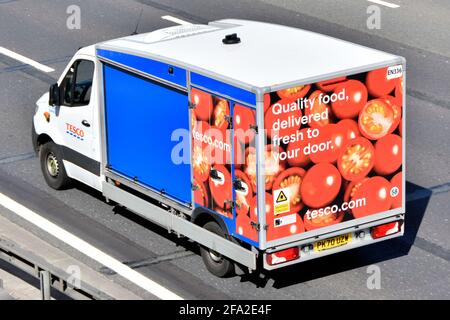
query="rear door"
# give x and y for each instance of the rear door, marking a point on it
(334, 154)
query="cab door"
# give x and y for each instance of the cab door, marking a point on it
(75, 121)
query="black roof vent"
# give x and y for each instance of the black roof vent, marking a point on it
(231, 39)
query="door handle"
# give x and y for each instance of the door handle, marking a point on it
(86, 123)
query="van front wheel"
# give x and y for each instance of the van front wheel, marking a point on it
(52, 166)
(217, 264)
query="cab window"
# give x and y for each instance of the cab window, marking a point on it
(76, 87)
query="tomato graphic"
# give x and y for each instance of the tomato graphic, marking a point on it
(373, 196)
(221, 114)
(388, 154)
(203, 104)
(273, 166)
(291, 179)
(239, 154)
(351, 188)
(201, 194)
(378, 84)
(321, 185)
(220, 185)
(333, 139)
(399, 93)
(397, 111)
(201, 162)
(244, 120)
(254, 206)
(377, 119)
(267, 102)
(397, 181)
(244, 195)
(357, 95)
(284, 111)
(296, 149)
(356, 159)
(330, 85)
(294, 93)
(193, 120)
(322, 221)
(318, 108)
(244, 227)
(349, 129)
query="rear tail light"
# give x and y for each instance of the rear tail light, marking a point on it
(283, 256)
(387, 229)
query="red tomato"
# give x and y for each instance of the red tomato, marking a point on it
(332, 137)
(201, 194)
(221, 187)
(201, 163)
(272, 166)
(349, 128)
(397, 111)
(378, 84)
(267, 102)
(254, 206)
(351, 188)
(193, 119)
(244, 120)
(388, 154)
(356, 159)
(330, 85)
(239, 154)
(282, 112)
(322, 221)
(377, 119)
(397, 181)
(204, 104)
(244, 227)
(357, 95)
(243, 197)
(291, 179)
(221, 114)
(318, 108)
(399, 93)
(296, 149)
(321, 185)
(374, 193)
(294, 93)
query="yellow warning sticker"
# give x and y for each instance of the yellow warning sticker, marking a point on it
(281, 197)
(282, 203)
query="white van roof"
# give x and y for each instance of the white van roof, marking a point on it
(268, 55)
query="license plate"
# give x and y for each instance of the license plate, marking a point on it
(334, 242)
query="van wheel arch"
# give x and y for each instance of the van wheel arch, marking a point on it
(201, 217)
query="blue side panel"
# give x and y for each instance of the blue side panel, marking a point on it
(223, 88)
(141, 116)
(151, 67)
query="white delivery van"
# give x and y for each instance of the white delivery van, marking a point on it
(266, 145)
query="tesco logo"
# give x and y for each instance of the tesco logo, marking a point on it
(75, 131)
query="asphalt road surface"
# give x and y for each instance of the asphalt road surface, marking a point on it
(415, 266)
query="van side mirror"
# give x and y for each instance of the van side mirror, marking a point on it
(55, 95)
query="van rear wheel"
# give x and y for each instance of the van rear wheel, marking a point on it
(52, 166)
(216, 263)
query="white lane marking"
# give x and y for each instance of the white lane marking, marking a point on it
(176, 20)
(25, 60)
(385, 3)
(89, 250)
